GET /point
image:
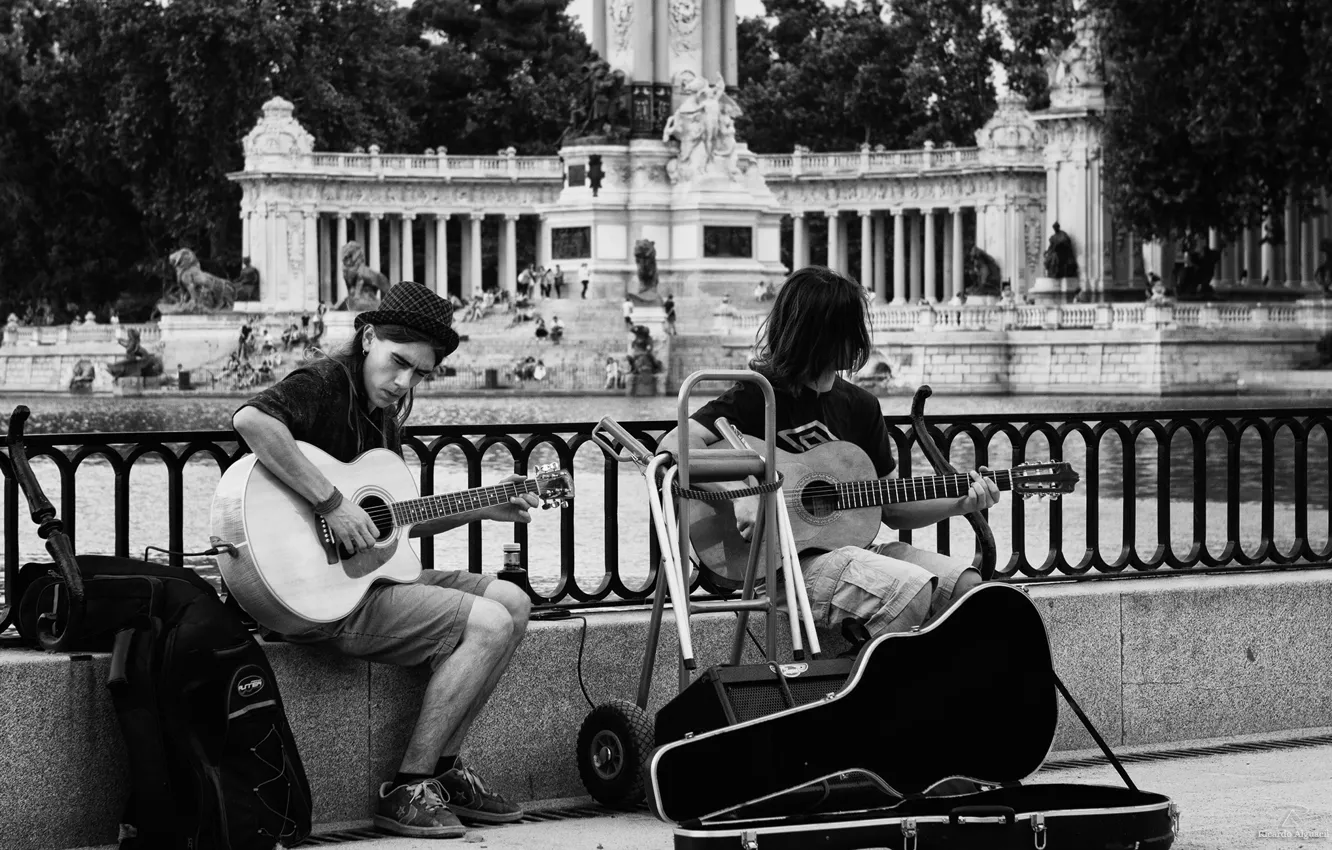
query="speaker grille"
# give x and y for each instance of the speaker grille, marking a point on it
(759, 699)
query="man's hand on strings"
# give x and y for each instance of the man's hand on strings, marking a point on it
(351, 526)
(984, 493)
(517, 509)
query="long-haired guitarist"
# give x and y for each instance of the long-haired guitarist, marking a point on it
(464, 625)
(818, 327)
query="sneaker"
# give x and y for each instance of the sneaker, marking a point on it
(417, 810)
(472, 801)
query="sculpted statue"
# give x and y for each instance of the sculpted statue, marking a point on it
(645, 255)
(984, 272)
(704, 131)
(365, 286)
(1059, 259)
(247, 285)
(1323, 274)
(196, 290)
(138, 363)
(603, 109)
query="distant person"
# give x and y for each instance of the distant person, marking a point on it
(612, 373)
(669, 305)
(628, 311)
(539, 371)
(541, 332)
(559, 281)
(584, 278)
(556, 329)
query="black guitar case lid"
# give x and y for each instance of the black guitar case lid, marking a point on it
(972, 696)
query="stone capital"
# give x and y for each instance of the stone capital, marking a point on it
(376, 216)
(511, 216)
(409, 216)
(477, 216)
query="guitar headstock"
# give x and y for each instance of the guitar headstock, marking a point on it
(1043, 478)
(554, 486)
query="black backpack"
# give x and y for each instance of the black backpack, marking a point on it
(213, 763)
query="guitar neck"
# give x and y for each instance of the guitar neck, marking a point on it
(426, 508)
(863, 494)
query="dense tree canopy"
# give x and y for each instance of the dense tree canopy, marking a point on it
(1220, 110)
(120, 119)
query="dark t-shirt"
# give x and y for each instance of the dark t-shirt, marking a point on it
(315, 403)
(806, 419)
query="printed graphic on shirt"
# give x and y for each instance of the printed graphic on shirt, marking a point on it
(805, 437)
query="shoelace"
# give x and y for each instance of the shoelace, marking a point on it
(431, 793)
(476, 783)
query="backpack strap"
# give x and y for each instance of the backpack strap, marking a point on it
(152, 805)
(1096, 736)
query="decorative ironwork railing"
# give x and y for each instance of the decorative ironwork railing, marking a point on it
(1161, 491)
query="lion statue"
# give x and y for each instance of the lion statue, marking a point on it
(645, 255)
(365, 286)
(196, 290)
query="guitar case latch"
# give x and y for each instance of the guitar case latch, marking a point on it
(908, 834)
(749, 840)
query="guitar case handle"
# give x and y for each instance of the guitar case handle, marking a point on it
(984, 536)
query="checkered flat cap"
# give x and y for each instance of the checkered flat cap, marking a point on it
(413, 305)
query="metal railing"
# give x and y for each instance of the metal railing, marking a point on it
(1161, 491)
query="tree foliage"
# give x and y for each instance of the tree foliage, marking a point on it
(1221, 110)
(120, 119)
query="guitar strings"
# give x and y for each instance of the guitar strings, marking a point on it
(384, 512)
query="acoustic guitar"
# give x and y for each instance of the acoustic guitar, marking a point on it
(834, 500)
(289, 572)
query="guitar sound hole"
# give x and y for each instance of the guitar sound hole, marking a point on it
(819, 499)
(380, 515)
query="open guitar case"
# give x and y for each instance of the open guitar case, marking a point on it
(968, 704)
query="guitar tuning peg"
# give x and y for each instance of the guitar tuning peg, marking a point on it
(564, 503)
(1054, 497)
(1026, 497)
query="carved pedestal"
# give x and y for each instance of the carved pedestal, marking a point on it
(1054, 290)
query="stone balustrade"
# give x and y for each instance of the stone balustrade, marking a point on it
(871, 163)
(945, 318)
(77, 334)
(467, 167)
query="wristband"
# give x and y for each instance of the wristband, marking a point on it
(330, 504)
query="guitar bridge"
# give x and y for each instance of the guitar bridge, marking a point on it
(329, 544)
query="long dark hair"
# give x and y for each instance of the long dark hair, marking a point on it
(351, 357)
(818, 321)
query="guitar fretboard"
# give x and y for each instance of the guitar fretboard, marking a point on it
(864, 494)
(426, 508)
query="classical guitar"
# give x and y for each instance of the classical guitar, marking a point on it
(288, 571)
(892, 718)
(834, 500)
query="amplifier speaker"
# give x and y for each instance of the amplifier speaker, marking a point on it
(725, 695)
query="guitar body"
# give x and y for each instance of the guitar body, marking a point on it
(912, 713)
(816, 522)
(286, 574)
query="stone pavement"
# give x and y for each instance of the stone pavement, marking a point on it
(1279, 799)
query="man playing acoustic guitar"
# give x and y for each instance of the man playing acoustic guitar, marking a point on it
(464, 625)
(818, 326)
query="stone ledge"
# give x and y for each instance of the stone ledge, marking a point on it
(1151, 661)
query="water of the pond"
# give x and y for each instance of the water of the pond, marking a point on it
(148, 524)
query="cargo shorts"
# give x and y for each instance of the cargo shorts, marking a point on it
(877, 583)
(411, 624)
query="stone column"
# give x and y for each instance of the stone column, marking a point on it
(310, 291)
(661, 44)
(598, 28)
(881, 257)
(408, 249)
(246, 238)
(395, 250)
(834, 261)
(799, 240)
(509, 268)
(843, 247)
(929, 258)
(341, 240)
(1248, 268)
(442, 253)
(959, 281)
(543, 244)
(1269, 269)
(363, 233)
(373, 226)
(867, 249)
(428, 257)
(474, 253)
(1228, 263)
(899, 257)
(916, 267)
(259, 256)
(1308, 250)
(730, 61)
(1292, 248)
(711, 25)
